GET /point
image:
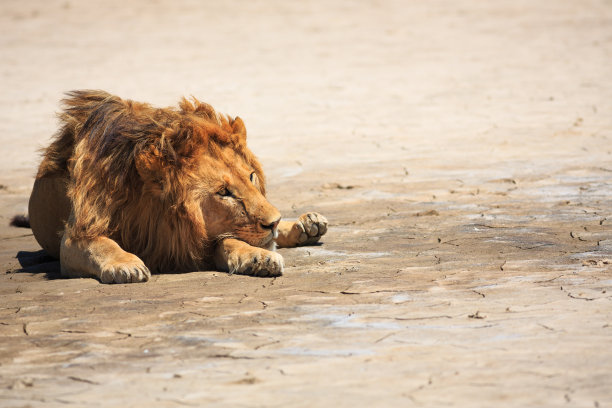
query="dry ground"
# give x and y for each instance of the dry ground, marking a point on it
(462, 152)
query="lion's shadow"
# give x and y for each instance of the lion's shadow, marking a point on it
(39, 262)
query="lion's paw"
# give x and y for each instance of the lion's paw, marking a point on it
(130, 271)
(256, 262)
(311, 226)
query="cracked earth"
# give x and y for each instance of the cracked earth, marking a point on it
(462, 154)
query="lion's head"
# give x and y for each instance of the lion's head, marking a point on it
(233, 202)
(165, 183)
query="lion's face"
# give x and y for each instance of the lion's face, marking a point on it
(202, 171)
(233, 203)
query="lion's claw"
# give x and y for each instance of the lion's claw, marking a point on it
(125, 273)
(312, 227)
(257, 262)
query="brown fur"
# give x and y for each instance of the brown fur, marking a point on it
(136, 174)
(125, 189)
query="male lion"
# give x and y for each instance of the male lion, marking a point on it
(125, 189)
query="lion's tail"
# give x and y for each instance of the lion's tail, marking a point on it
(20, 221)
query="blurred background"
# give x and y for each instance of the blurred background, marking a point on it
(331, 83)
(460, 150)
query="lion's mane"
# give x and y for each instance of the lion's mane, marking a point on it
(132, 173)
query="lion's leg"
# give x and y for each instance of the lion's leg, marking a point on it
(307, 230)
(101, 258)
(236, 256)
(48, 210)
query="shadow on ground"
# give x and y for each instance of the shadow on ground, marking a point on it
(38, 262)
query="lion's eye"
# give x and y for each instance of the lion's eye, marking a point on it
(253, 177)
(225, 192)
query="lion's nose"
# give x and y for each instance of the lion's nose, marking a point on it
(271, 225)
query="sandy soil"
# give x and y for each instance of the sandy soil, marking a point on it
(462, 152)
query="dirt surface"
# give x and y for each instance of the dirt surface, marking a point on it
(462, 152)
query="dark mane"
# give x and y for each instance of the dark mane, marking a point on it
(131, 170)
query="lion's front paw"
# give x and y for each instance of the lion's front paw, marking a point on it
(255, 262)
(126, 271)
(311, 227)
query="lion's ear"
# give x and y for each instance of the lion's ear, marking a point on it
(175, 147)
(149, 163)
(239, 129)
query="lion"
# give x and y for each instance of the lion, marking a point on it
(126, 189)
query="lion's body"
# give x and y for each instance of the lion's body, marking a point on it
(124, 185)
(49, 210)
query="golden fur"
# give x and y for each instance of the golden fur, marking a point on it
(166, 186)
